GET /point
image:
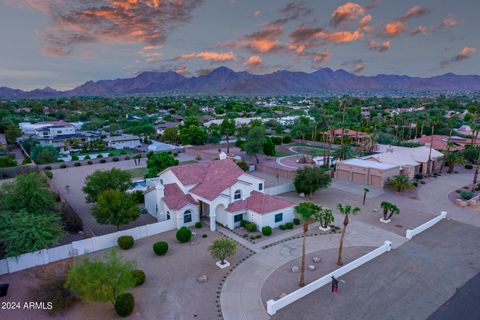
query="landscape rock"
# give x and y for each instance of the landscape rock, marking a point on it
(311, 267)
(295, 269)
(316, 259)
(202, 279)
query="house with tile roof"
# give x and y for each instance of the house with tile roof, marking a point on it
(217, 190)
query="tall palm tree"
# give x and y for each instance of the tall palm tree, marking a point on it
(453, 158)
(346, 210)
(306, 210)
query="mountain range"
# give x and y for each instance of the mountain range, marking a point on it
(224, 81)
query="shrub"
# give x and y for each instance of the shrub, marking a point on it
(89, 162)
(251, 227)
(198, 224)
(26, 160)
(277, 140)
(184, 234)
(77, 164)
(239, 143)
(47, 168)
(125, 242)
(204, 235)
(115, 159)
(138, 196)
(198, 157)
(160, 248)
(48, 173)
(124, 304)
(99, 156)
(468, 166)
(243, 165)
(418, 176)
(296, 221)
(287, 139)
(458, 191)
(124, 152)
(71, 221)
(415, 184)
(75, 157)
(282, 227)
(138, 276)
(422, 182)
(267, 231)
(243, 223)
(258, 236)
(110, 154)
(127, 158)
(63, 166)
(289, 225)
(103, 160)
(87, 157)
(466, 195)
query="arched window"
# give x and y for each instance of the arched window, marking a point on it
(237, 195)
(168, 215)
(187, 216)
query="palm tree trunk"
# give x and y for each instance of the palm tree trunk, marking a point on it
(475, 177)
(302, 267)
(228, 145)
(340, 248)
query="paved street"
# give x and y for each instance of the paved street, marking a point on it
(410, 282)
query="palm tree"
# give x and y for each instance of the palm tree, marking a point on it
(389, 208)
(453, 158)
(400, 183)
(365, 191)
(306, 210)
(344, 152)
(346, 210)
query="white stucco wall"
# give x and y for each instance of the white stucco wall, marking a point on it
(268, 219)
(179, 215)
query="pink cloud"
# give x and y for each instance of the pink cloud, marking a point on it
(253, 62)
(347, 11)
(208, 55)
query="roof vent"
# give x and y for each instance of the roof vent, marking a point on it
(222, 156)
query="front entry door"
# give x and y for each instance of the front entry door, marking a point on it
(237, 219)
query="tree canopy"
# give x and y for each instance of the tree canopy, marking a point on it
(311, 179)
(115, 207)
(255, 141)
(44, 154)
(99, 181)
(157, 162)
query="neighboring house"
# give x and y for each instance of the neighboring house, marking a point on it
(217, 189)
(160, 128)
(440, 142)
(465, 129)
(357, 137)
(377, 168)
(123, 141)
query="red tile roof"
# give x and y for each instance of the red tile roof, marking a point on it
(440, 142)
(211, 178)
(260, 203)
(347, 132)
(175, 198)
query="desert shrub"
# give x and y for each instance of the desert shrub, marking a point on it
(48, 168)
(124, 304)
(198, 157)
(287, 139)
(63, 166)
(282, 227)
(184, 234)
(296, 221)
(52, 288)
(267, 231)
(138, 196)
(138, 276)
(277, 140)
(77, 164)
(75, 157)
(89, 162)
(124, 152)
(289, 225)
(243, 165)
(87, 157)
(125, 242)
(466, 195)
(258, 236)
(458, 191)
(160, 248)
(243, 223)
(99, 156)
(103, 160)
(110, 154)
(415, 184)
(468, 166)
(251, 227)
(127, 158)
(115, 159)
(48, 173)
(198, 224)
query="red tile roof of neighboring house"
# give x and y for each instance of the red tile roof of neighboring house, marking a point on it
(347, 132)
(211, 178)
(440, 142)
(260, 203)
(175, 198)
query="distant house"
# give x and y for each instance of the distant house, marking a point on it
(390, 161)
(357, 137)
(465, 130)
(160, 128)
(444, 143)
(123, 141)
(218, 190)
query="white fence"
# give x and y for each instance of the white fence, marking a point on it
(409, 234)
(274, 305)
(287, 187)
(41, 257)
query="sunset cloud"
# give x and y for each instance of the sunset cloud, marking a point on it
(347, 11)
(463, 54)
(208, 55)
(183, 70)
(394, 28)
(110, 21)
(344, 36)
(379, 46)
(359, 67)
(421, 30)
(322, 57)
(290, 12)
(253, 62)
(414, 12)
(397, 27)
(449, 22)
(263, 41)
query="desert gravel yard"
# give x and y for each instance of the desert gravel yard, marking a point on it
(171, 289)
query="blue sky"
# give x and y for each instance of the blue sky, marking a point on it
(63, 43)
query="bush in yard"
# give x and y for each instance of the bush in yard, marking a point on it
(138, 276)
(466, 195)
(63, 166)
(204, 235)
(184, 234)
(48, 173)
(138, 196)
(89, 162)
(243, 165)
(287, 139)
(127, 158)
(103, 160)
(277, 140)
(48, 168)
(251, 227)
(124, 304)
(243, 223)
(198, 224)
(289, 225)
(160, 248)
(87, 157)
(77, 164)
(110, 154)
(115, 159)
(282, 227)
(125, 242)
(222, 249)
(99, 156)
(296, 221)
(267, 231)
(468, 166)
(418, 176)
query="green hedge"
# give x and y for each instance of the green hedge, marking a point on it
(125, 242)
(124, 304)
(160, 248)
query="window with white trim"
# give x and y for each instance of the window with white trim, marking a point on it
(187, 216)
(278, 217)
(237, 195)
